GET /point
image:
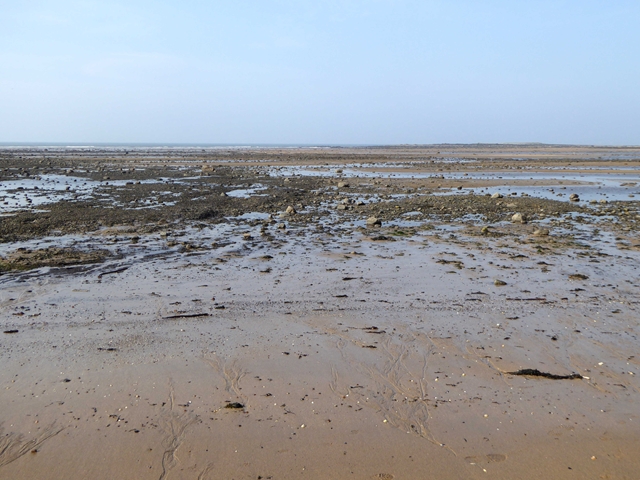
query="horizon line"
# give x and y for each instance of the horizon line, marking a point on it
(294, 145)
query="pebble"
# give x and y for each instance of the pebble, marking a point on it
(374, 221)
(496, 195)
(499, 283)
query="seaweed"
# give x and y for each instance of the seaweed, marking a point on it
(532, 372)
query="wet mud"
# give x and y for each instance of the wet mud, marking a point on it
(319, 313)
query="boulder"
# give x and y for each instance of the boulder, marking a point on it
(519, 218)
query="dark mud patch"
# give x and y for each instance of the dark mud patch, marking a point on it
(180, 188)
(25, 259)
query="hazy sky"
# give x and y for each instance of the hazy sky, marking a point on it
(320, 71)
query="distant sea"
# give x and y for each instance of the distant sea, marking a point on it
(168, 145)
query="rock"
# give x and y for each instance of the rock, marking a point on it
(342, 206)
(485, 229)
(574, 197)
(603, 201)
(499, 283)
(343, 185)
(496, 195)
(223, 194)
(339, 170)
(290, 210)
(374, 222)
(26, 259)
(518, 218)
(578, 276)
(541, 232)
(281, 226)
(383, 238)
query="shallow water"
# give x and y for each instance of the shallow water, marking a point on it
(589, 186)
(596, 186)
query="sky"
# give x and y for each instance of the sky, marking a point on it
(320, 71)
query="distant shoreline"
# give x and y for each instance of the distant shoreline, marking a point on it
(240, 146)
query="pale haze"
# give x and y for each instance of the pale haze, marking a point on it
(320, 72)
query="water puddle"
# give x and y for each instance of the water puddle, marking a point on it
(252, 216)
(247, 192)
(27, 193)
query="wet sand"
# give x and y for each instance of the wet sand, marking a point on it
(220, 337)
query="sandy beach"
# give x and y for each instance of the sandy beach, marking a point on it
(448, 312)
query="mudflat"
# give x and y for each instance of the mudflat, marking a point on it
(444, 311)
